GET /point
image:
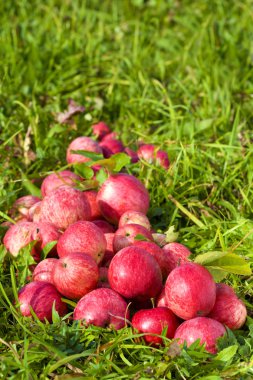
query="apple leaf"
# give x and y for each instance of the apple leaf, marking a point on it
(91, 155)
(48, 248)
(33, 190)
(84, 171)
(227, 353)
(101, 176)
(171, 235)
(208, 257)
(140, 237)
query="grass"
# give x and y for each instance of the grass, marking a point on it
(175, 73)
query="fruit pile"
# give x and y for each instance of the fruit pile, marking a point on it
(110, 260)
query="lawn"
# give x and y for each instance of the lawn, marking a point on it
(178, 74)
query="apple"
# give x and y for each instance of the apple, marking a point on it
(91, 196)
(41, 297)
(57, 179)
(228, 308)
(44, 233)
(21, 206)
(109, 252)
(151, 154)
(102, 307)
(206, 329)
(75, 275)
(159, 239)
(111, 146)
(103, 278)
(158, 254)
(161, 300)
(44, 269)
(64, 206)
(190, 291)
(18, 236)
(120, 193)
(100, 130)
(126, 235)
(134, 217)
(134, 273)
(105, 227)
(154, 321)
(82, 143)
(177, 254)
(132, 154)
(83, 237)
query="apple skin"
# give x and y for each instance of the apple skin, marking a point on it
(100, 130)
(135, 274)
(120, 193)
(43, 270)
(206, 329)
(161, 300)
(151, 154)
(177, 254)
(82, 143)
(228, 308)
(158, 254)
(41, 296)
(103, 278)
(55, 180)
(105, 227)
(125, 236)
(154, 321)
(17, 237)
(134, 217)
(111, 146)
(64, 206)
(83, 237)
(159, 239)
(91, 196)
(109, 252)
(102, 307)
(190, 291)
(75, 275)
(45, 233)
(20, 208)
(34, 212)
(132, 154)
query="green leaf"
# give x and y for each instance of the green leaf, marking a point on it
(48, 247)
(101, 176)
(209, 257)
(227, 353)
(140, 237)
(33, 190)
(83, 170)
(211, 377)
(91, 155)
(171, 235)
(114, 163)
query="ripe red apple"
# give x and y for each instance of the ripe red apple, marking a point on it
(132, 154)
(109, 252)
(105, 227)
(206, 329)
(82, 143)
(18, 236)
(45, 233)
(125, 236)
(111, 146)
(100, 130)
(102, 307)
(158, 254)
(43, 270)
(57, 179)
(177, 254)
(120, 193)
(154, 321)
(64, 206)
(91, 196)
(34, 212)
(228, 308)
(21, 206)
(134, 217)
(161, 300)
(152, 154)
(83, 237)
(134, 273)
(75, 275)
(190, 291)
(41, 297)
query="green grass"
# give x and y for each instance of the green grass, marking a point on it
(175, 73)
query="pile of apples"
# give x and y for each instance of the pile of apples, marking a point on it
(110, 260)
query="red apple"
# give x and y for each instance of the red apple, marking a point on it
(190, 291)
(111, 146)
(64, 206)
(105, 227)
(126, 235)
(159, 239)
(177, 254)
(132, 154)
(161, 300)
(43, 270)
(102, 307)
(34, 212)
(41, 297)
(21, 206)
(228, 308)
(134, 217)
(57, 179)
(103, 278)
(18, 236)
(45, 233)
(81, 143)
(206, 329)
(154, 321)
(134, 273)
(158, 254)
(91, 196)
(120, 193)
(75, 275)
(109, 252)
(152, 154)
(83, 237)
(100, 130)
